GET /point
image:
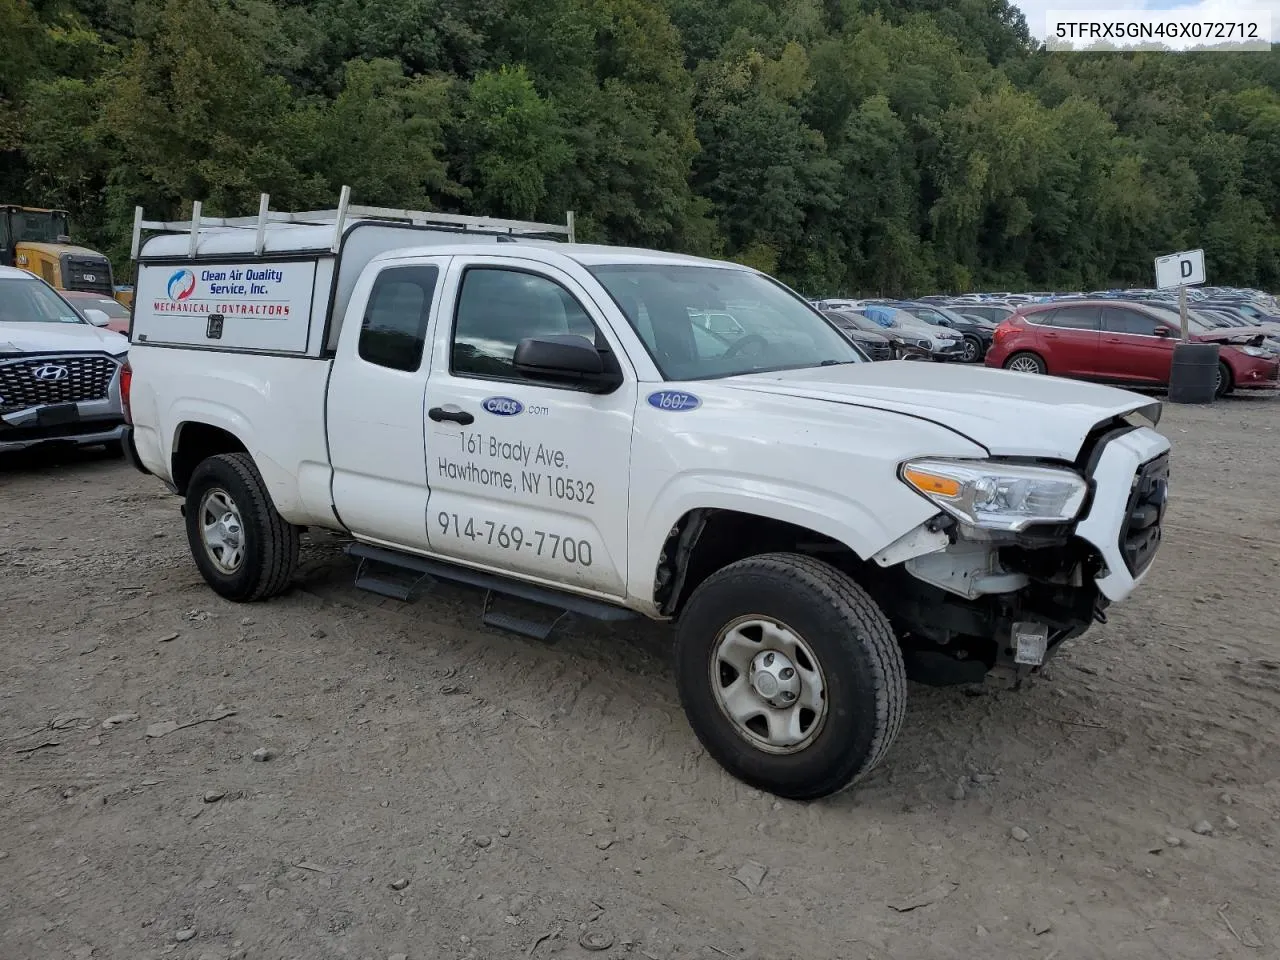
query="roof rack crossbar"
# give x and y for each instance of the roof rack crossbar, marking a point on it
(338, 218)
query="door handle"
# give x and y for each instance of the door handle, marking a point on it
(1114, 340)
(440, 414)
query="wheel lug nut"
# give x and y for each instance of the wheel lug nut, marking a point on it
(787, 673)
(788, 695)
(768, 659)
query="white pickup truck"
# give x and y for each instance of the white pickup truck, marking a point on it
(479, 401)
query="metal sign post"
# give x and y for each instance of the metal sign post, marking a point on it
(1194, 376)
(1182, 311)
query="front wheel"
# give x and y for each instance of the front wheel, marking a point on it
(1224, 383)
(972, 350)
(790, 675)
(244, 549)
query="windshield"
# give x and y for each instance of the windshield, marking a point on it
(700, 322)
(907, 321)
(934, 314)
(30, 301)
(851, 320)
(37, 226)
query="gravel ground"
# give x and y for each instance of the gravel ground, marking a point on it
(435, 789)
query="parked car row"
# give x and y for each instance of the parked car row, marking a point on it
(1123, 337)
(1129, 342)
(918, 330)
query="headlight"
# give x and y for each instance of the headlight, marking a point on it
(997, 496)
(1253, 351)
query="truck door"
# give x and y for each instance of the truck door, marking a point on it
(526, 477)
(374, 405)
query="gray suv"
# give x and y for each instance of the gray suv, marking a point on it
(59, 374)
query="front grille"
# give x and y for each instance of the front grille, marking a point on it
(37, 381)
(93, 276)
(1140, 532)
(877, 350)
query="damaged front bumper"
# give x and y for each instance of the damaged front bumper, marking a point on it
(968, 601)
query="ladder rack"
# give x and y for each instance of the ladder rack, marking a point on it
(339, 218)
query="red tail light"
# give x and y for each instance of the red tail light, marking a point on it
(1002, 331)
(126, 385)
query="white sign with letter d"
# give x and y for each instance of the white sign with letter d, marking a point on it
(1178, 269)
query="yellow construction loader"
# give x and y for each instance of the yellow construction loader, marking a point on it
(36, 240)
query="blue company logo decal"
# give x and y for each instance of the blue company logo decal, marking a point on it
(674, 400)
(503, 406)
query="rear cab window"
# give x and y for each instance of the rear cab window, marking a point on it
(394, 329)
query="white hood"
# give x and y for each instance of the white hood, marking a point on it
(1011, 414)
(60, 338)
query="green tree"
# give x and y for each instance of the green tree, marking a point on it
(510, 144)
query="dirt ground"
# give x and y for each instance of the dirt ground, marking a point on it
(437, 789)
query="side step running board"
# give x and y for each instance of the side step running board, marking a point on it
(427, 570)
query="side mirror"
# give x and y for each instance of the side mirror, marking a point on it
(97, 317)
(566, 358)
(1163, 331)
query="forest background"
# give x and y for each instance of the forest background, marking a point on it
(878, 147)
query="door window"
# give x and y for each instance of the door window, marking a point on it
(1115, 320)
(497, 308)
(395, 322)
(1075, 318)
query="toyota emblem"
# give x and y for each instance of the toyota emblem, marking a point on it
(50, 372)
(89, 278)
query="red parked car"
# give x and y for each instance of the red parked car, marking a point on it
(117, 313)
(1122, 343)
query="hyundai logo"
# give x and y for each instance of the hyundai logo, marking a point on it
(50, 372)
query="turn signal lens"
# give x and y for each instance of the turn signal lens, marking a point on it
(932, 483)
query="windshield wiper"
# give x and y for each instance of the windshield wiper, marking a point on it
(837, 363)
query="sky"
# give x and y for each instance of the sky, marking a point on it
(1204, 10)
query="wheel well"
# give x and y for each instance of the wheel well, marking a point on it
(1031, 353)
(1229, 374)
(197, 442)
(704, 541)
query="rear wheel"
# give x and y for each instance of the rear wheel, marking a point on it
(1224, 383)
(1025, 362)
(244, 549)
(790, 675)
(972, 350)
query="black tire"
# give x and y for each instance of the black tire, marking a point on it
(1041, 368)
(1226, 383)
(270, 544)
(860, 660)
(972, 350)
